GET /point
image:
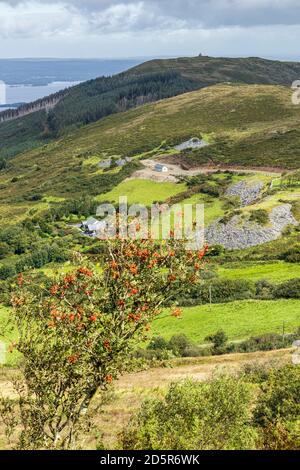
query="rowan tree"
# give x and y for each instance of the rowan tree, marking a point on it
(76, 336)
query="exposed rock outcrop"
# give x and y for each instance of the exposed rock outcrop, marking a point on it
(247, 193)
(237, 234)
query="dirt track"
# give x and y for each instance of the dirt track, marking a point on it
(175, 171)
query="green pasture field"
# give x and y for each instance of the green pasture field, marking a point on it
(239, 320)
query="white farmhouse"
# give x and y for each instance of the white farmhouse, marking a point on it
(161, 168)
(92, 226)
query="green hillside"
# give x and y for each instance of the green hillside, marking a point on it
(86, 103)
(151, 81)
(248, 125)
(244, 125)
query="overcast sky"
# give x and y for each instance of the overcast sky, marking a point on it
(131, 28)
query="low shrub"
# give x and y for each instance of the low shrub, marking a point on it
(218, 291)
(158, 343)
(256, 409)
(288, 290)
(266, 342)
(260, 216)
(231, 203)
(194, 415)
(197, 351)
(277, 414)
(264, 290)
(219, 340)
(215, 250)
(292, 255)
(256, 372)
(178, 344)
(149, 355)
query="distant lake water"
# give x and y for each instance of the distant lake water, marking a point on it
(30, 79)
(28, 93)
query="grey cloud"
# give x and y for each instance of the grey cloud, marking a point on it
(138, 15)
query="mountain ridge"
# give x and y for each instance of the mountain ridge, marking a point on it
(151, 81)
(230, 67)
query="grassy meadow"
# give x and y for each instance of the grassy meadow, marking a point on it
(239, 320)
(142, 191)
(274, 272)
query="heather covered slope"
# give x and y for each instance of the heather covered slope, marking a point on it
(151, 81)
